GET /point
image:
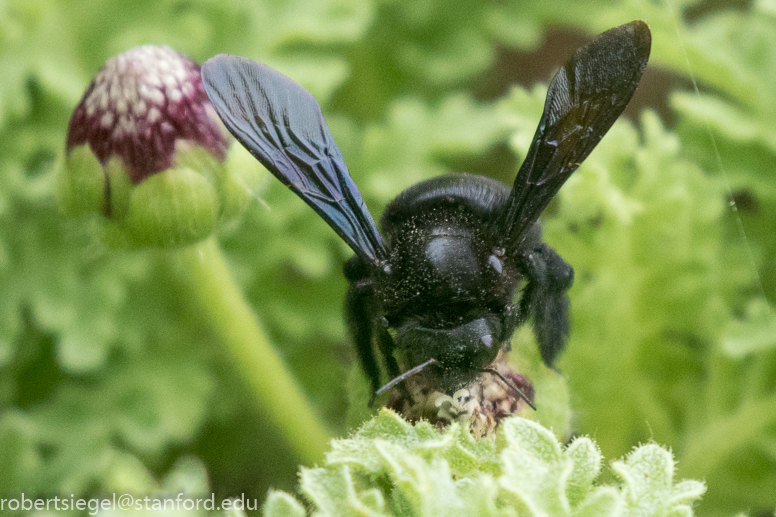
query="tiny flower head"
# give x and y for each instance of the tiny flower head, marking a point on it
(139, 105)
(146, 150)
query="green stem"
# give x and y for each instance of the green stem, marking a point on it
(263, 371)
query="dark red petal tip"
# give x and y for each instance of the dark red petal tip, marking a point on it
(139, 105)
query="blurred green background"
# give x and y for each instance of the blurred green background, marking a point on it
(109, 379)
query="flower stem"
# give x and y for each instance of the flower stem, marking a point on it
(274, 389)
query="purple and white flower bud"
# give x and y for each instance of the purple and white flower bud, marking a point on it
(140, 105)
(146, 150)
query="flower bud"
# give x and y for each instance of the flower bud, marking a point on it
(480, 405)
(146, 150)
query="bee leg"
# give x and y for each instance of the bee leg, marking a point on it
(386, 345)
(545, 299)
(360, 321)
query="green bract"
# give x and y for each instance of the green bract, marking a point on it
(175, 207)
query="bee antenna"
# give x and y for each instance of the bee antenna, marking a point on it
(512, 385)
(403, 377)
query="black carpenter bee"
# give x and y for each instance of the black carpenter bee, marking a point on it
(460, 263)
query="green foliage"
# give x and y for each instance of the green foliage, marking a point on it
(108, 371)
(389, 467)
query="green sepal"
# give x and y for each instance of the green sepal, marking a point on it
(120, 189)
(240, 179)
(173, 208)
(193, 156)
(80, 186)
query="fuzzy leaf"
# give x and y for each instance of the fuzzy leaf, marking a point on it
(401, 472)
(649, 488)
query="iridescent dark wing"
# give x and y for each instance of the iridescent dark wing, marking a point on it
(583, 100)
(281, 124)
